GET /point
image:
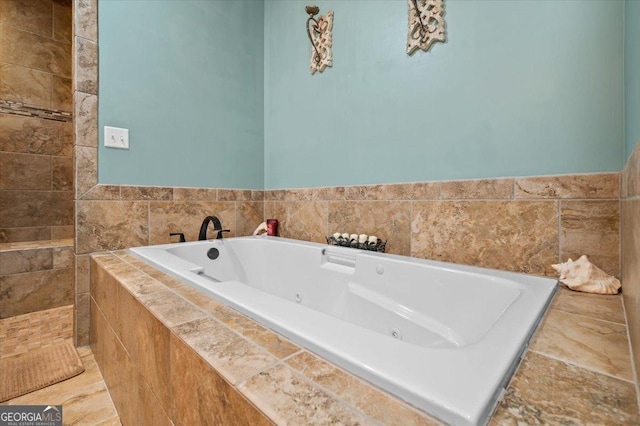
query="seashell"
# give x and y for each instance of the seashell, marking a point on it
(582, 275)
(261, 229)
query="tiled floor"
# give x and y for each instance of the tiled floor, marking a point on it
(35, 330)
(84, 398)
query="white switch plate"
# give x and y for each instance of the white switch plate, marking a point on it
(115, 137)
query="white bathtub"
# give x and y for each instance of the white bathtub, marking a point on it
(443, 337)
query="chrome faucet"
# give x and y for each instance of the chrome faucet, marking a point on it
(217, 226)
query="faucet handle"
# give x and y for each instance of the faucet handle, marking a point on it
(181, 234)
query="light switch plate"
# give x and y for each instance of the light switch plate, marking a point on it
(115, 137)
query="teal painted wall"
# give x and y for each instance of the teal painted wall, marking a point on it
(632, 75)
(520, 88)
(186, 77)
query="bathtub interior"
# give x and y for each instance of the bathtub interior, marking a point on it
(416, 303)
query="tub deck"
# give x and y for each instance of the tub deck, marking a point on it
(444, 337)
(578, 365)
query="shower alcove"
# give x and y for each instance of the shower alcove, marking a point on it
(37, 260)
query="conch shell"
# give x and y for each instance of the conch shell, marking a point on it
(582, 275)
(261, 229)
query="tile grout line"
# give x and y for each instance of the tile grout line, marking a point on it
(559, 210)
(148, 220)
(53, 20)
(634, 372)
(411, 219)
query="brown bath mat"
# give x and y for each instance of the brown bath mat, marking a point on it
(38, 368)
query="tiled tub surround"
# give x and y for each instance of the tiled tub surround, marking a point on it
(630, 222)
(35, 276)
(514, 224)
(191, 360)
(348, 302)
(542, 220)
(113, 217)
(116, 217)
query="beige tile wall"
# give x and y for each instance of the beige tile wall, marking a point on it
(521, 224)
(111, 217)
(630, 220)
(35, 278)
(36, 178)
(85, 149)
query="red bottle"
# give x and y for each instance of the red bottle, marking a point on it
(272, 227)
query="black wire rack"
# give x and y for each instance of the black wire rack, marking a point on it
(378, 246)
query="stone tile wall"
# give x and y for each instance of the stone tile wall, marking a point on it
(515, 224)
(111, 217)
(36, 177)
(35, 276)
(630, 220)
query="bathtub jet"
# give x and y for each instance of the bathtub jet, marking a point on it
(445, 338)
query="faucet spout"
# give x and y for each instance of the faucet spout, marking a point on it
(217, 226)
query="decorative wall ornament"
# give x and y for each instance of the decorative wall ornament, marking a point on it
(426, 24)
(320, 37)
